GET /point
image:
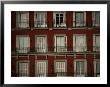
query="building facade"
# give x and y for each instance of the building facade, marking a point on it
(55, 43)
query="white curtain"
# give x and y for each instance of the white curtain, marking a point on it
(79, 19)
(96, 43)
(40, 19)
(96, 18)
(79, 43)
(60, 43)
(23, 44)
(80, 68)
(23, 19)
(41, 44)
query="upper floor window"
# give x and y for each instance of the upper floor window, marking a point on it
(22, 44)
(96, 18)
(79, 19)
(22, 19)
(59, 19)
(41, 43)
(96, 43)
(79, 43)
(60, 43)
(40, 19)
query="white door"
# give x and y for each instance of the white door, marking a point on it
(41, 68)
(60, 68)
(23, 69)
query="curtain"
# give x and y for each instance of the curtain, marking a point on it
(80, 43)
(23, 44)
(79, 19)
(41, 44)
(80, 68)
(23, 19)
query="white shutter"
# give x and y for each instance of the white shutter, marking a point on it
(41, 68)
(60, 68)
(23, 69)
(79, 43)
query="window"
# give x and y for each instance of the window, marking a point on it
(59, 19)
(60, 68)
(22, 19)
(79, 43)
(40, 19)
(80, 68)
(60, 43)
(22, 44)
(96, 18)
(41, 43)
(79, 19)
(23, 69)
(96, 43)
(41, 68)
(97, 68)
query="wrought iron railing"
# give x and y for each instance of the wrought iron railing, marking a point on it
(57, 74)
(23, 24)
(59, 49)
(40, 24)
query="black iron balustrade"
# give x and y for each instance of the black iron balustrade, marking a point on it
(54, 49)
(56, 74)
(23, 24)
(40, 24)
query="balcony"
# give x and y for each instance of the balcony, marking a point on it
(57, 74)
(96, 48)
(23, 24)
(55, 50)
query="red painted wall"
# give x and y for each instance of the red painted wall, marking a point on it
(50, 38)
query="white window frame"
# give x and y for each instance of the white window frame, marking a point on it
(74, 43)
(55, 43)
(44, 74)
(24, 50)
(62, 74)
(94, 43)
(64, 19)
(19, 22)
(17, 67)
(85, 67)
(44, 25)
(46, 43)
(74, 19)
(96, 60)
(94, 20)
